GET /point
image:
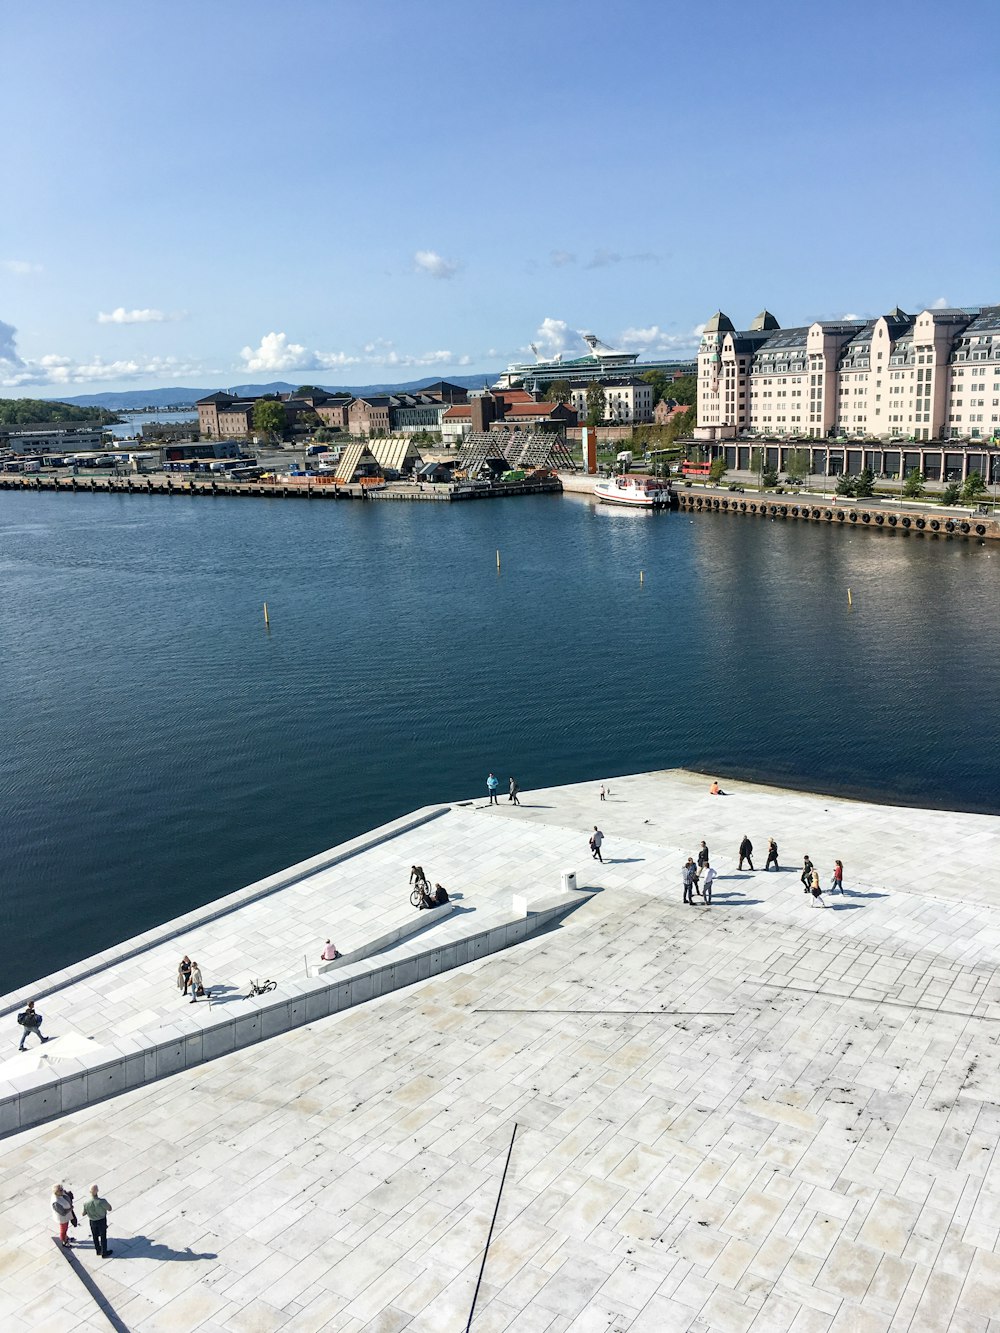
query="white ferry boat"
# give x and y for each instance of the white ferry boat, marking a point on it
(637, 492)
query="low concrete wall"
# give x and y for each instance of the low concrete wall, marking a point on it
(420, 921)
(130, 1062)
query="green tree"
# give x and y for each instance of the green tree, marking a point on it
(718, 469)
(680, 425)
(269, 417)
(596, 401)
(973, 488)
(864, 483)
(951, 494)
(559, 391)
(660, 382)
(845, 484)
(797, 466)
(683, 390)
(913, 486)
(769, 477)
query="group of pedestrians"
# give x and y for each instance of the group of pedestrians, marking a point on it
(809, 876)
(493, 790)
(189, 979)
(699, 876)
(95, 1210)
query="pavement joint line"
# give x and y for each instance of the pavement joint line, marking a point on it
(493, 1222)
(100, 1300)
(860, 999)
(670, 1013)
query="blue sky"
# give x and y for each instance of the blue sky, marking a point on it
(214, 193)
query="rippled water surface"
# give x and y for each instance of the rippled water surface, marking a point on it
(161, 748)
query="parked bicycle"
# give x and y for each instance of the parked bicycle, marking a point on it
(260, 988)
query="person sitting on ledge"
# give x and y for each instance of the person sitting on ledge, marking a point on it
(329, 952)
(715, 789)
(440, 895)
(425, 898)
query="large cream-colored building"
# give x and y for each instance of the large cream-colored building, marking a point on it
(931, 376)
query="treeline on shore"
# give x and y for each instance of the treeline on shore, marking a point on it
(42, 411)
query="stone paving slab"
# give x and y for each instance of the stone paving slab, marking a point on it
(757, 1115)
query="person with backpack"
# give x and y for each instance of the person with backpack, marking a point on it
(30, 1023)
(772, 855)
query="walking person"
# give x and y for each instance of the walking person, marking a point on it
(838, 877)
(491, 786)
(772, 855)
(96, 1210)
(184, 975)
(596, 838)
(62, 1206)
(816, 888)
(806, 876)
(31, 1022)
(197, 985)
(746, 852)
(603, 792)
(512, 790)
(689, 876)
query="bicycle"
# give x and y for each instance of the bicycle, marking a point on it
(260, 988)
(419, 888)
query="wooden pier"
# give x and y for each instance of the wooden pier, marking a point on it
(162, 484)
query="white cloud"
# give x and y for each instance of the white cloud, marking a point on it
(654, 341)
(560, 258)
(435, 265)
(123, 316)
(20, 266)
(553, 335)
(606, 258)
(276, 354)
(940, 304)
(52, 369)
(851, 315)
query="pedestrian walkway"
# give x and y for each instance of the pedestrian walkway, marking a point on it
(750, 1116)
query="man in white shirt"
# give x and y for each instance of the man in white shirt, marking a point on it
(707, 876)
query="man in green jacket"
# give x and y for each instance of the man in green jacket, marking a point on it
(97, 1209)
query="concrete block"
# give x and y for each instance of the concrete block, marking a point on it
(169, 1058)
(106, 1081)
(276, 1018)
(40, 1105)
(135, 1073)
(73, 1092)
(10, 1115)
(363, 988)
(246, 1029)
(217, 1041)
(193, 1047)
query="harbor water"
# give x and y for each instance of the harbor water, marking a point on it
(162, 746)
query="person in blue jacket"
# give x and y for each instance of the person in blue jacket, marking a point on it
(491, 786)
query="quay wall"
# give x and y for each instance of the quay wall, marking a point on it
(316, 489)
(915, 519)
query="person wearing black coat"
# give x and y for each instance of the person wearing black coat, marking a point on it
(746, 852)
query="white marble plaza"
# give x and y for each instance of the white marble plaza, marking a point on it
(759, 1115)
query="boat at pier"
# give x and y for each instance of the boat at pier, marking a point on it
(636, 492)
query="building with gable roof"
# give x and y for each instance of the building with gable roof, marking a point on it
(931, 376)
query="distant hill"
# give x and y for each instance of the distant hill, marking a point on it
(38, 411)
(134, 400)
